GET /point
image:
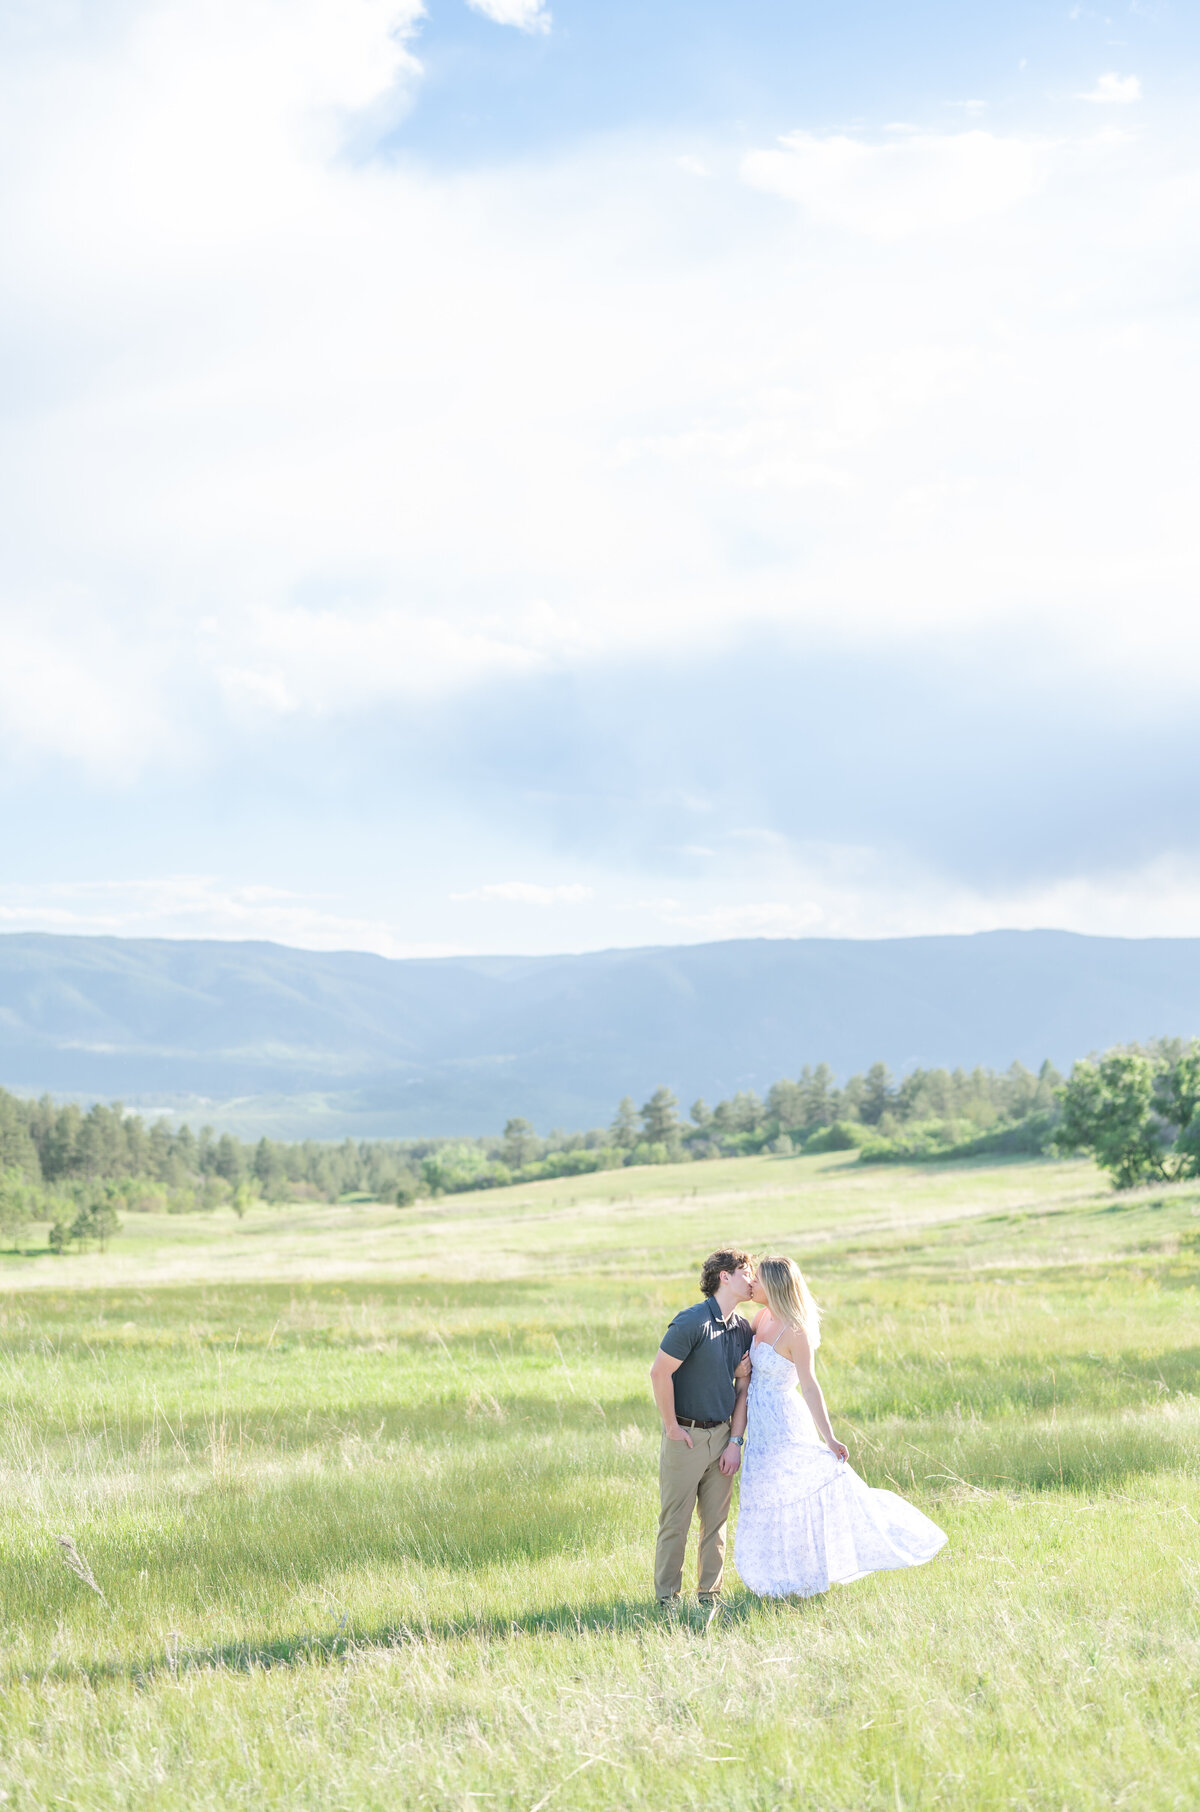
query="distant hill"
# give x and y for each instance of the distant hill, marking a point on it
(294, 1042)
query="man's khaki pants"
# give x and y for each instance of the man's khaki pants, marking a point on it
(688, 1476)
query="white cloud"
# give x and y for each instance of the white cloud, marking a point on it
(851, 892)
(1115, 90)
(526, 15)
(188, 128)
(329, 660)
(529, 893)
(298, 431)
(923, 183)
(856, 892)
(203, 906)
(764, 918)
(71, 690)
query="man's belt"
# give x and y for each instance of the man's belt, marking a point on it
(693, 1422)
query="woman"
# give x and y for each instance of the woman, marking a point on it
(805, 1519)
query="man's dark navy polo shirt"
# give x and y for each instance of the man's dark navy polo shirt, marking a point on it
(710, 1351)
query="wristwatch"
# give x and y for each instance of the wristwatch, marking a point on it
(737, 1439)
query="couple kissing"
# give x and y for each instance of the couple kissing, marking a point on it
(724, 1386)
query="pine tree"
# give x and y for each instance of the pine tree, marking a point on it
(660, 1117)
(624, 1129)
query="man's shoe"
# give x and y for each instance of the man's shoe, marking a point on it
(713, 1610)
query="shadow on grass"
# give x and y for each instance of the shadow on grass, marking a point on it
(246, 1310)
(915, 1383)
(467, 1418)
(1047, 1455)
(616, 1616)
(492, 1326)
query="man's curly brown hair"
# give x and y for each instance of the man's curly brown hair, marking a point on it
(727, 1259)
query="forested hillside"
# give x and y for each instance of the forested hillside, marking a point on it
(81, 1170)
(1137, 1111)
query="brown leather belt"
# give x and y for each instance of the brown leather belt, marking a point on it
(690, 1422)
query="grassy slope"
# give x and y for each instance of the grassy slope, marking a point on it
(371, 1498)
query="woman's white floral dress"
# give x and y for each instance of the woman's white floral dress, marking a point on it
(805, 1519)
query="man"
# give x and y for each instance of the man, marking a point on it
(700, 1377)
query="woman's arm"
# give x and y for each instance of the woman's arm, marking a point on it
(795, 1345)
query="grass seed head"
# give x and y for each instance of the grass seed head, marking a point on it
(78, 1565)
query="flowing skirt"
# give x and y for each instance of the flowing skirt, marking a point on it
(806, 1520)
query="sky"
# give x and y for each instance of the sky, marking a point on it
(539, 475)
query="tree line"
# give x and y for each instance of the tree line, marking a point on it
(80, 1169)
(1134, 1109)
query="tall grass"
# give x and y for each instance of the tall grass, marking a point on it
(384, 1540)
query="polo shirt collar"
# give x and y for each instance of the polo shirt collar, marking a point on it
(726, 1321)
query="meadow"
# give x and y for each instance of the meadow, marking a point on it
(368, 1496)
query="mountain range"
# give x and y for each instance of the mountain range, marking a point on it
(261, 1037)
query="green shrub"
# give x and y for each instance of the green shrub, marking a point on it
(843, 1135)
(17, 1199)
(936, 1139)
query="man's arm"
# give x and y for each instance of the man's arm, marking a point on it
(662, 1383)
(741, 1382)
(731, 1459)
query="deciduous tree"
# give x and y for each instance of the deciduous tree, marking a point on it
(1108, 1109)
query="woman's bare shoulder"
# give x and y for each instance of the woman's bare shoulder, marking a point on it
(794, 1345)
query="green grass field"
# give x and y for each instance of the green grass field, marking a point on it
(370, 1495)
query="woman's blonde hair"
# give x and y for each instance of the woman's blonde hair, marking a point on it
(789, 1297)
